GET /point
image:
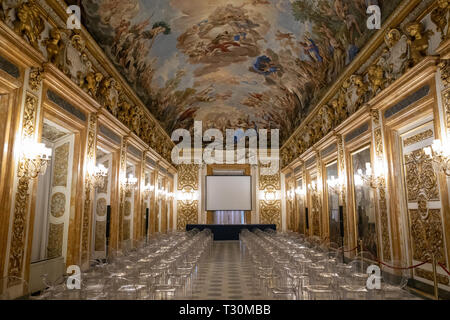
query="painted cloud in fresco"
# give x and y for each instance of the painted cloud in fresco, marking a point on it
(241, 63)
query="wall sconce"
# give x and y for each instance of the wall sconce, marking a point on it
(187, 196)
(161, 194)
(148, 189)
(440, 153)
(97, 175)
(374, 178)
(290, 195)
(270, 194)
(336, 185)
(129, 183)
(34, 159)
(313, 187)
(300, 192)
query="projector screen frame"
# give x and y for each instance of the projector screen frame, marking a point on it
(251, 192)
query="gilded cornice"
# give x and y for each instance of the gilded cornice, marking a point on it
(102, 59)
(403, 10)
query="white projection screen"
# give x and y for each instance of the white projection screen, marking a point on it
(228, 193)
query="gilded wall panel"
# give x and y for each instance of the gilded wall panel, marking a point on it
(427, 235)
(58, 204)
(100, 235)
(187, 176)
(420, 176)
(270, 212)
(61, 165)
(187, 214)
(55, 240)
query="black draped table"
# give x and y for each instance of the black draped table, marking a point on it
(229, 231)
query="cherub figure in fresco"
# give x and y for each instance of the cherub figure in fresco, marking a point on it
(336, 49)
(341, 8)
(311, 49)
(352, 25)
(223, 42)
(289, 37)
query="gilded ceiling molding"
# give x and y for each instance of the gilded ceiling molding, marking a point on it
(355, 88)
(88, 187)
(74, 53)
(21, 202)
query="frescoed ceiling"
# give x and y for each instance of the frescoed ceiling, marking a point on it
(231, 63)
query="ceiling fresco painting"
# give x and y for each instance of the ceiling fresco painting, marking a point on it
(231, 63)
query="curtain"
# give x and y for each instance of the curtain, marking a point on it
(229, 217)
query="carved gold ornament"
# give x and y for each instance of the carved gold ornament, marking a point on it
(54, 46)
(427, 235)
(35, 78)
(418, 42)
(420, 176)
(187, 214)
(418, 137)
(440, 17)
(29, 23)
(187, 176)
(19, 220)
(270, 213)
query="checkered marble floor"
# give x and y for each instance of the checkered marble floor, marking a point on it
(224, 275)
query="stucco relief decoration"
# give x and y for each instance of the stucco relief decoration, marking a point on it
(100, 235)
(101, 207)
(58, 204)
(187, 176)
(55, 239)
(403, 49)
(61, 164)
(427, 235)
(271, 212)
(35, 79)
(187, 214)
(418, 137)
(421, 176)
(28, 22)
